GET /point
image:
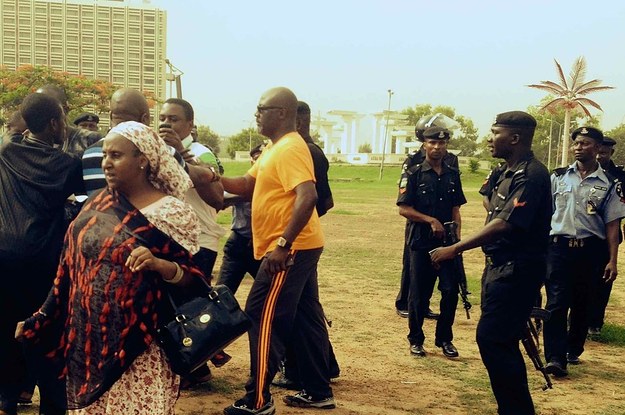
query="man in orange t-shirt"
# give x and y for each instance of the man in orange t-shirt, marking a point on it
(284, 300)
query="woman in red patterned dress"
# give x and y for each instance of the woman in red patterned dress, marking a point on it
(130, 242)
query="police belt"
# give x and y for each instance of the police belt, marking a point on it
(575, 243)
(499, 258)
(496, 259)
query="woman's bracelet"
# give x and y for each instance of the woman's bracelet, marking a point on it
(177, 277)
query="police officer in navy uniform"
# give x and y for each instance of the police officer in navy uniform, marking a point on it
(514, 240)
(583, 247)
(431, 196)
(87, 121)
(414, 158)
(599, 302)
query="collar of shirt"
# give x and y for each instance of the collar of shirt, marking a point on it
(520, 167)
(599, 174)
(187, 141)
(425, 166)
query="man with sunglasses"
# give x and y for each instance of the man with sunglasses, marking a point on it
(283, 302)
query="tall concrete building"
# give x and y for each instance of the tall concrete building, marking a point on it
(120, 41)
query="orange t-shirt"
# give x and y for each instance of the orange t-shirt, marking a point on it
(280, 169)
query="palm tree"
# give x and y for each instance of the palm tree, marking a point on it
(571, 96)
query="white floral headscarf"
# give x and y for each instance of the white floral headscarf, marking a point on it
(165, 172)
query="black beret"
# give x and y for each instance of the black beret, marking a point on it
(515, 119)
(86, 116)
(589, 132)
(436, 133)
(302, 108)
(608, 141)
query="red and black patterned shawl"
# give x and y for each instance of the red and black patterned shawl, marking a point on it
(107, 314)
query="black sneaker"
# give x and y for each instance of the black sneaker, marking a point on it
(594, 331)
(242, 407)
(304, 400)
(572, 359)
(282, 381)
(556, 369)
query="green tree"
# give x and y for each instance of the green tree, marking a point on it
(81, 91)
(571, 95)
(364, 148)
(474, 165)
(208, 137)
(463, 139)
(247, 139)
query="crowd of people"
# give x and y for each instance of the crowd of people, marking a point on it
(96, 231)
(100, 228)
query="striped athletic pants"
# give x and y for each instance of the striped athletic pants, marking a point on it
(282, 307)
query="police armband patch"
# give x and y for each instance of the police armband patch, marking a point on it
(517, 204)
(403, 182)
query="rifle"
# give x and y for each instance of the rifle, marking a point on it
(531, 343)
(451, 237)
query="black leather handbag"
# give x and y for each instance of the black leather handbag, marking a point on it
(202, 327)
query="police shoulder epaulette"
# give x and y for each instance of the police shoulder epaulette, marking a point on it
(620, 167)
(453, 168)
(560, 171)
(413, 169)
(611, 177)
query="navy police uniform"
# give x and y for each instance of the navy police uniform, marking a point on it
(514, 270)
(578, 254)
(599, 302)
(433, 195)
(401, 302)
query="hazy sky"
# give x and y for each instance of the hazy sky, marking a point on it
(476, 56)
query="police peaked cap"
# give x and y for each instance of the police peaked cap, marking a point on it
(87, 116)
(608, 141)
(589, 132)
(514, 119)
(436, 133)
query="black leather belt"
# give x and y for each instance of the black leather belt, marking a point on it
(496, 260)
(573, 242)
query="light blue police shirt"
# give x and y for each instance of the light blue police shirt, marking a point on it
(582, 207)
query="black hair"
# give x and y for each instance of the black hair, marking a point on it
(38, 109)
(186, 107)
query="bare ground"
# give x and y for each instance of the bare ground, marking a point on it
(359, 274)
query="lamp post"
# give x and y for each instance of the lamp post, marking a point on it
(174, 76)
(551, 121)
(388, 114)
(249, 132)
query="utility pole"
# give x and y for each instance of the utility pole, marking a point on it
(388, 115)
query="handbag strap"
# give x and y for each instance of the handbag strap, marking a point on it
(212, 294)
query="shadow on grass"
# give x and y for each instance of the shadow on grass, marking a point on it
(343, 212)
(611, 334)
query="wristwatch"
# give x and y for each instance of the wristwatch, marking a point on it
(283, 243)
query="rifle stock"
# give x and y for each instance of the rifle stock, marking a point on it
(530, 342)
(451, 237)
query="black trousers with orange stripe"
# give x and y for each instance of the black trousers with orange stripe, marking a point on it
(282, 307)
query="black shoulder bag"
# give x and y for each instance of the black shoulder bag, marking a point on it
(202, 327)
